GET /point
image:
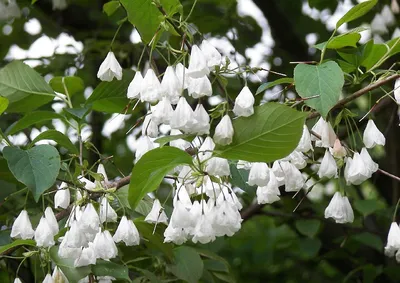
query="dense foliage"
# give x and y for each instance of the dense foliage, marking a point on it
(199, 141)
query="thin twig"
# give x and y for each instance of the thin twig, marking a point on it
(389, 174)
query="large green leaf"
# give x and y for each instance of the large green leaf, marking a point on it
(146, 17)
(31, 119)
(109, 268)
(367, 206)
(151, 168)
(72, 85)
(37, 167)
(111, 96)
(239, 179)
(17, 243)
(356, 12)
(308, 227)
(188, 264)
(25, 89)
(325, 80)
(271, 133)
(3, 104)
(58, 137)
(67, 266)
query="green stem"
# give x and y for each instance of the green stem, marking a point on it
(191, 10)
(115, 35)
(395, 210)
(324, 49)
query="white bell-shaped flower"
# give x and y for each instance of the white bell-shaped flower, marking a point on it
(183, 116)
(135, 86)
(277, 169)
(104, 246)
(177, 236)
(328, 167)
(157, 214)
(397, 91)
(298, 159)
(59, 4)
(48, 279)
(22, 227)
(369, 163)
(202, 125)
(107, 213)
(144, 145)
(89, 222)
(259, 174)
(51, 219)
(182, 75)
(204, 232)
(62, 197)
(102, 171)
(244, 103)
(110, 68)
(74, 237)
(127, 232)
(388, 16)
(305, 144)
(227, 219)
(224, 131)
(269, 193)
(244, 165)
(44, 235)
(393, 240)
(372, 135)
(218, 167)
(59, 276)
(171, 85)
(356, 171)
(89, 185)
(149, 128)
(182, 196)
(325, 131)
(213, 57)
(150, 90)
(199, 87)
(162, 112)
(294, 180)
(16, 280)
(338, 150)
(86, 257)
(339, 209)
(197, 64)
(180, 217)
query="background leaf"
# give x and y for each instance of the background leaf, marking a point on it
(268, 85)
(308, 227)
(275, 132)
(25, 89)
(357, 11)
(151, 168)
(325, 80)
(3, 104)
(58, 137)
(109, 268)
(188, 264)
(37, 167)
(17, 243)
(73, 85)
(31, 119)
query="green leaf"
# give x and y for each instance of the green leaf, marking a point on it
(271, 133)
(37, 167)
(356, 12)
(111, 97)
(224, 277)
(31, 119)
(239, 179)
(308, 227)
(73, 85)
(337, 42)
(25, 89)
(268, 85)
(188, 264)
(110, 7)
(323, 4)
(367, 206)
(58, 137)
(309, 247)
(3, 104)
(151, 168)
(79, 113)
(146, 17)
(325, 80)
(215, 265)
(372, 54)
(72, 273)
(164, 140)
(17, 243)
(369, 240)
(109, 268)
